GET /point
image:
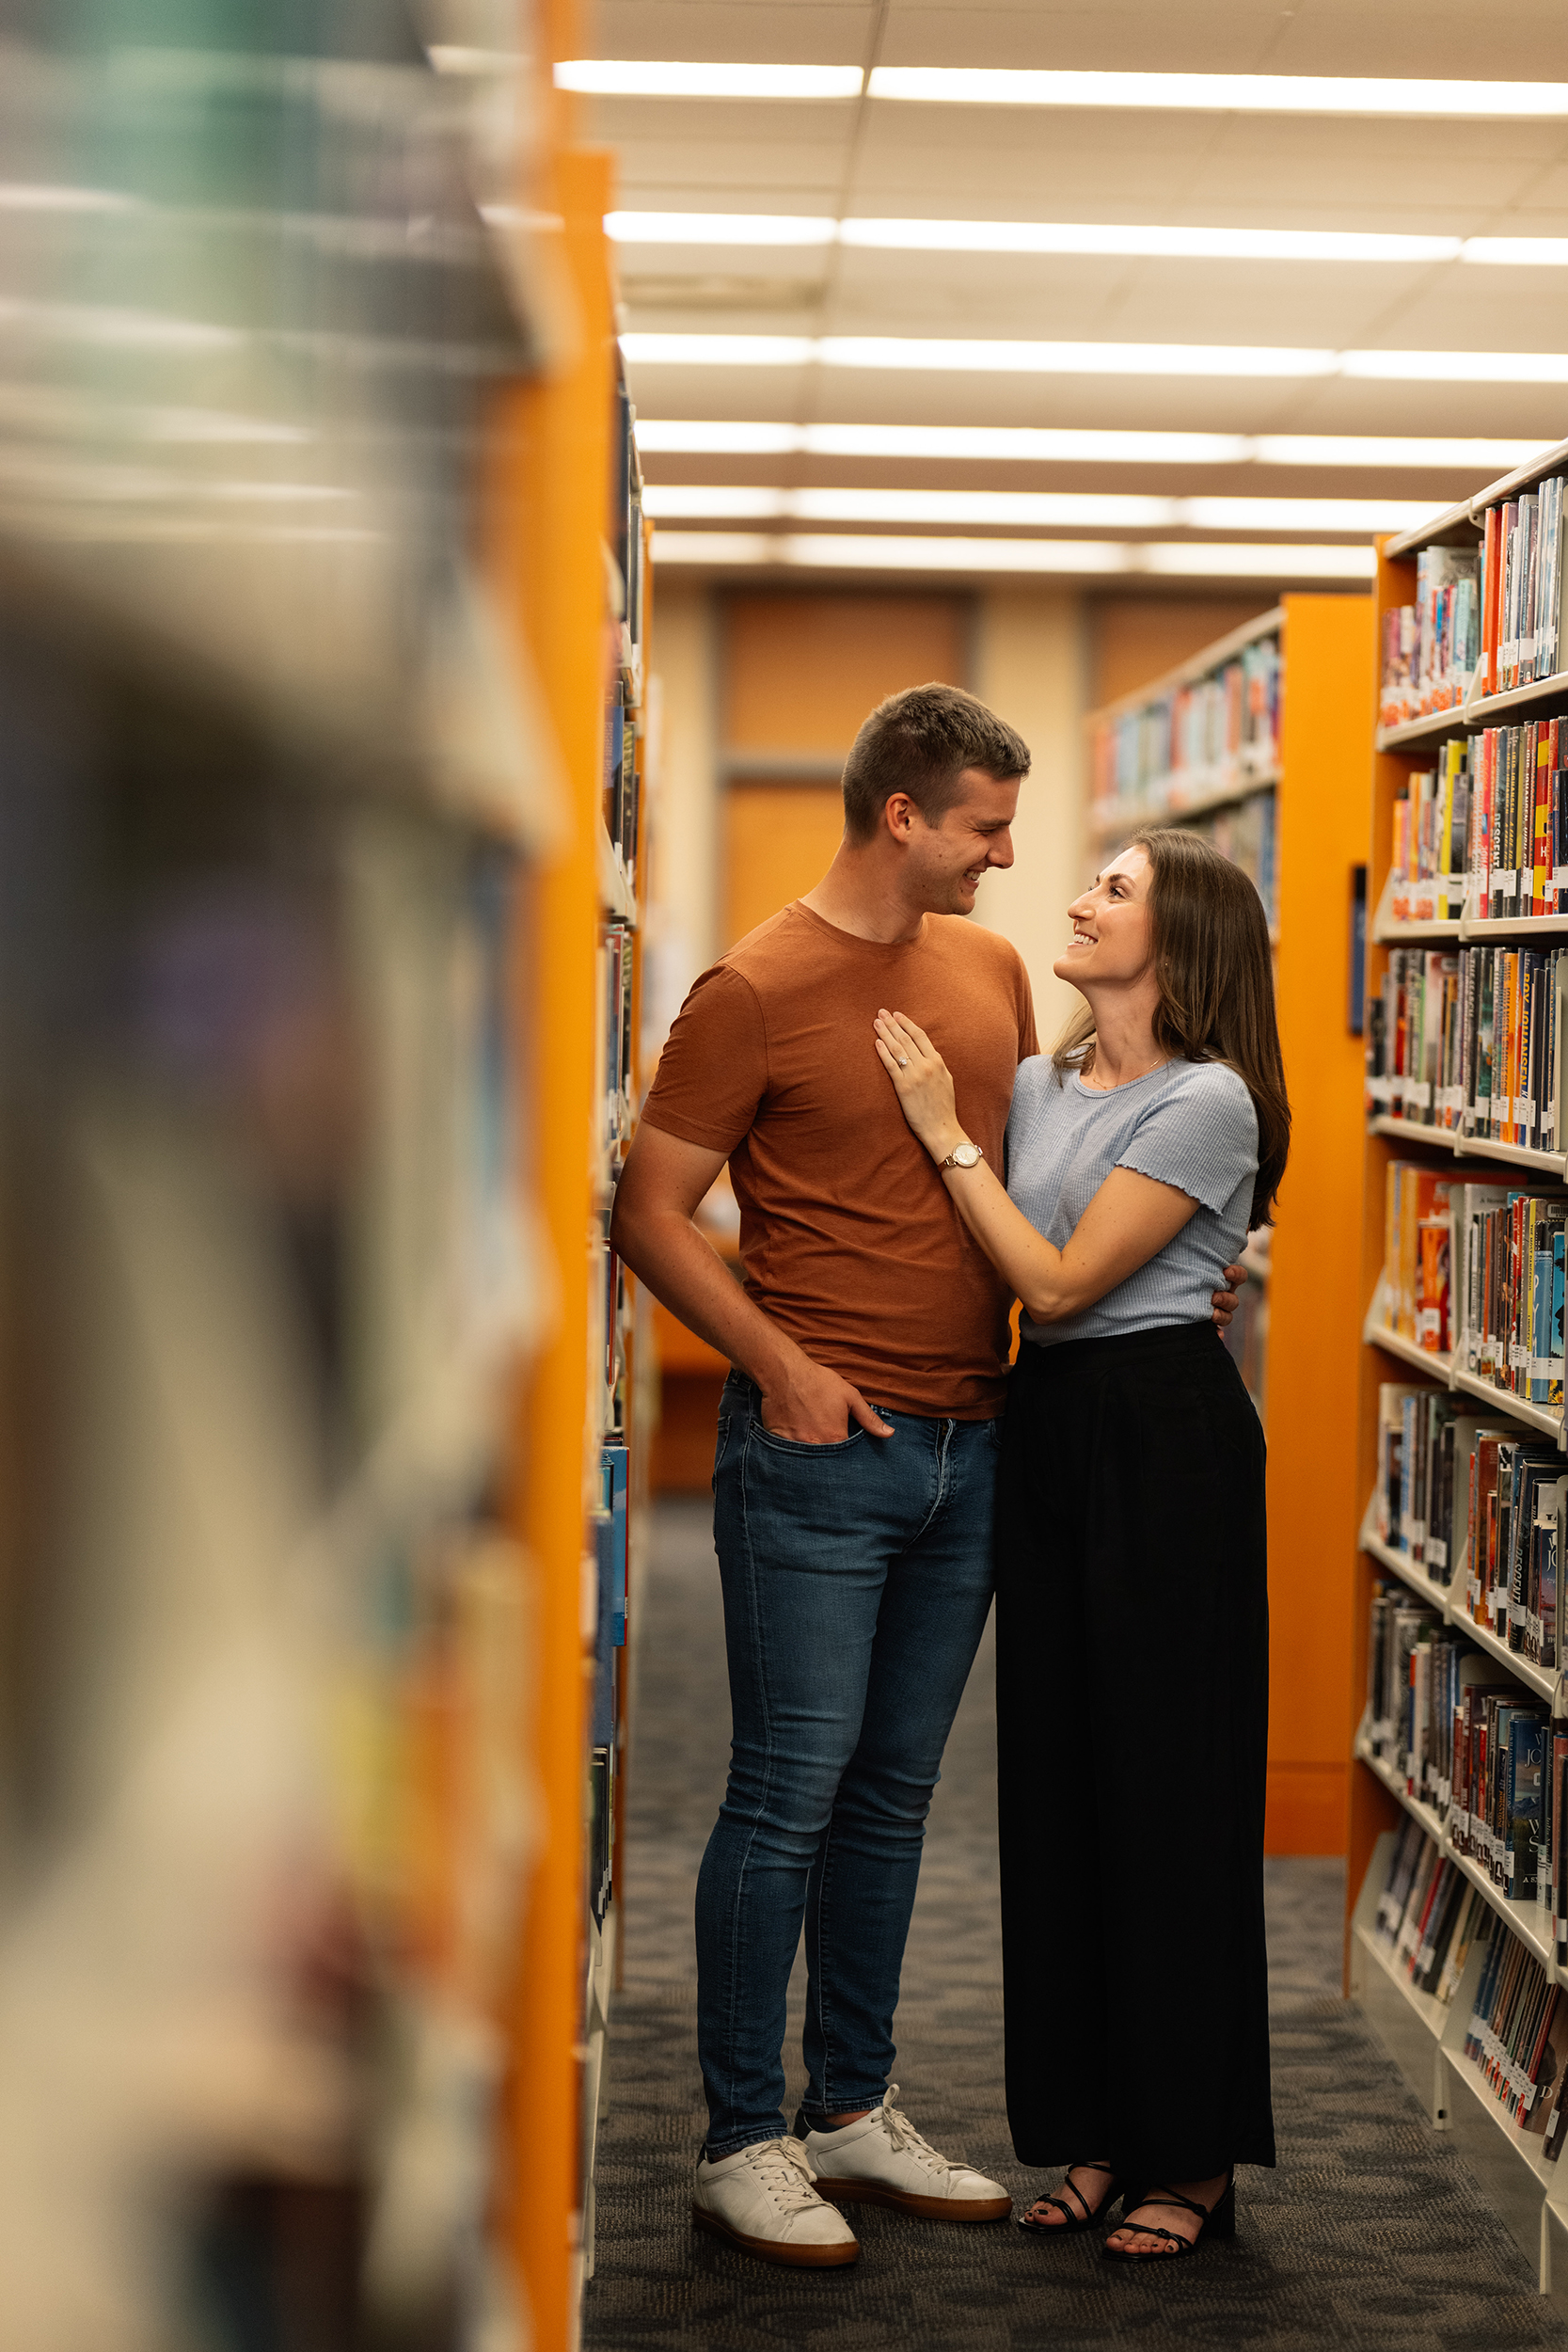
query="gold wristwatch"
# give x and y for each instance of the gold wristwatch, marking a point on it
(962, 1156)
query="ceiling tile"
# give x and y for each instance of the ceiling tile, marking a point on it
(762, 32)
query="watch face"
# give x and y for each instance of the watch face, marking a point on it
(967, 1155)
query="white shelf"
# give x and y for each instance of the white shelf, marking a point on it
(1440, 931)
(1431, 2013)
(1546, 1418)
(1463, 1147)
(1526, 927)
(1513, 1155)
(616, 896)
(1442, 1599)
(1432, 726)
(1523, 1919)
(1379, 1335)
(1514, 704)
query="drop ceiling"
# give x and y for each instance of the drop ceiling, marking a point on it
(870, 157)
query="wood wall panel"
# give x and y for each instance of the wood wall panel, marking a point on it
(802, 672)
(779, 842)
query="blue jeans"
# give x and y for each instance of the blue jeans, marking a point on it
(857, 1579)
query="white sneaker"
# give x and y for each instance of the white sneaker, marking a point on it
(882, 2160)
(762, 2199)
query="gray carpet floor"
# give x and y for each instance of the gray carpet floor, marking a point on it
(1371, 2234)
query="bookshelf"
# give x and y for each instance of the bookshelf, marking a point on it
(572, 545)
(318, 1248)
(1255, 742)
(1436, 934)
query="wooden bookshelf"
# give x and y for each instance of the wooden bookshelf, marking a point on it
(1425, 2039)
(1308, 772)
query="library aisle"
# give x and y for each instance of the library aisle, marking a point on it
(1372, 2231)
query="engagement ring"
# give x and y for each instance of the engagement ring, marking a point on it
(903, 1061)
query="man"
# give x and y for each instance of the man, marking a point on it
(855, 1462)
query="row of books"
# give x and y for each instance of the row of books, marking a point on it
(1478, 1510)
(1431, 647)
(1470, 1042)
(625, 736)
(1517, 2039)
(1466, 1739)
(1485, 830)
(1476, 1273)
(1427, 1914)
(1485, 619)
(1521, 573)
(1203, 734)
(1249, 834)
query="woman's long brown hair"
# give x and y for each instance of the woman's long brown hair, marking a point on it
(1212, 961)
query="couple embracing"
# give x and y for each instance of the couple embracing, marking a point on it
(908, 1163)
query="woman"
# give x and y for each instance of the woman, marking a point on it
(1131, 1603)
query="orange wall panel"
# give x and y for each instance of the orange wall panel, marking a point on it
(802, 672)
(778, 840)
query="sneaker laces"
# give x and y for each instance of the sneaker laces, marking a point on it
(909, 2141)
(784, 2170)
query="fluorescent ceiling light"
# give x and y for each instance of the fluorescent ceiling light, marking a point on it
(723, 437)
(1242, 93)
(1484, 457)
(1049, 445)
(1051, 359)
(724, 501)
(719, 351)
(1034, 236)
(1042, 359)
(842, 550)
(1457, 366)
(720, 228)
(643, 77)
(1543, 252)
(1014, 509)
(1112, 237)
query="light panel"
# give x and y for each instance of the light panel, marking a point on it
(722, 438)
(720, 228)
(644, 78)
(719, 351)
(718, 500)
(1113, 237)
(1538, 252)
(1152, 240)
(1058, 509)
(962, 355)
(845, 551)
(1049, 445)
(1229, 93)
(1052, 358)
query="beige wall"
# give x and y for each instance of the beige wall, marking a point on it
(683, 828)
(1030, 667)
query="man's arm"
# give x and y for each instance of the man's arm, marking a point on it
(662, 1184)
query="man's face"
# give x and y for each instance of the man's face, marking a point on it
(947, 860)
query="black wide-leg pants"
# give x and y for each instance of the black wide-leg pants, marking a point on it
(1132, 1680)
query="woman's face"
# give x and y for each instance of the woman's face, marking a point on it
(1110, 926)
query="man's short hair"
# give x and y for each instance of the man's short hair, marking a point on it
(919, 742)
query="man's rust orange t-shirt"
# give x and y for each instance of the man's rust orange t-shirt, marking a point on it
(848, 1237)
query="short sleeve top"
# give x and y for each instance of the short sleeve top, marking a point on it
(1191, 1124)
(848, 1238)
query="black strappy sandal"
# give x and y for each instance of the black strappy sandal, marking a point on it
(1072, 2224)
(1219, 2220)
